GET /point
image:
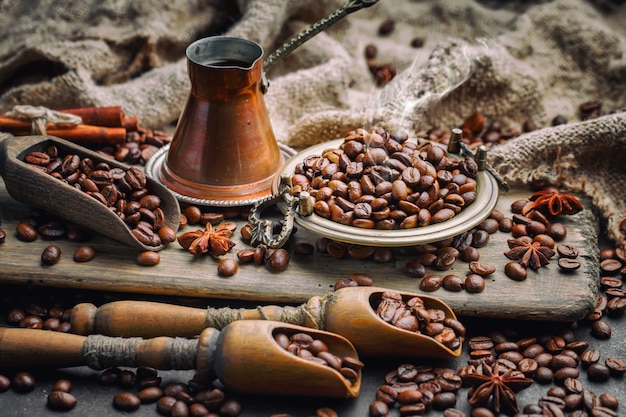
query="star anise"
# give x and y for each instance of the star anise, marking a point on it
(529, 253)
(216, 241)
(489, 382)
(553, 202)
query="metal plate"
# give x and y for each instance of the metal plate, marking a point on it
(153, 169)
(470, 216)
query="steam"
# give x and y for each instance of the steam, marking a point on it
(417, 89)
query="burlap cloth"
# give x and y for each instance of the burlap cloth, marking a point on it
(510, 60)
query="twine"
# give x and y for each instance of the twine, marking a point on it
(101, 352)
(219, 318)
(39, 116)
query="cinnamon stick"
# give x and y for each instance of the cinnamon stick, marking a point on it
(112, 116)
(82, 133)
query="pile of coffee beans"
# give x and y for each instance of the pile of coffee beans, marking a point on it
(123, 191)
(381, 180)
(558, 359)
(415, 316)
(305, 346)
(416, 389)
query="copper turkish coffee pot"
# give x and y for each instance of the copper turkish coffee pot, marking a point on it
(223, 148)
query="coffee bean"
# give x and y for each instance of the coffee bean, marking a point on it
(362, 279)
(23, 382)
(51, 255)
(430, 283)
(453, 283)
(557, 231)
(609, 401)
(598, 372)
(84, 254)
(230, 408)
(278, 260)
(61, 400)
(515, 271)
(600, 329)
(179, 409)
(474, 283)
(568, 264)
(378, 409)
(567, 251)
(481, 268)
(415, 269)
(5, 383)
(109, 376)
(148, 258)
(26, 233)
(227, 267)
(150, 394)
(3, 236)
(164, 405)
(126, 401)
(616, 366)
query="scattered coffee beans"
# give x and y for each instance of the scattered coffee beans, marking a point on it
(51, 255)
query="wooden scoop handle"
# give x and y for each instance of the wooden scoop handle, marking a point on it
(31, 348)
(151, 319)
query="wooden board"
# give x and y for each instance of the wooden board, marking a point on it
(548, 294)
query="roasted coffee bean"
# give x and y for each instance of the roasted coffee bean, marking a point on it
(378, 409)
(227, 267)
(3, 236)
(616, 366)
(444, 400)
(562, 374)
(64, 385)
(164, 405)
(179, 409)
(589, 357)
(557, 231)
(481, 268)
(515, 271)
(609, 401)
(362, 279)
(600, 329)
(23, 382)
(568, 264)
(567, 251)
(474, 283)
(51, 255)
(148, 258)
(453, 283)
(480, 343)
(61, 400)
(230, 408)
(598, 372)
(26, 232)
(150, 394)
(110, 376)
(544, 375)
(415, 269)
(610, 266)
(278, 260)
(84, 254)
(430, 283)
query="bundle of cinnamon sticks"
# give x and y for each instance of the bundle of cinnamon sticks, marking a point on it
(100, 125)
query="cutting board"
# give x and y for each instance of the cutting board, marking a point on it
(547, 294)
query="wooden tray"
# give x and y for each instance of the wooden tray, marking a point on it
(548, 294)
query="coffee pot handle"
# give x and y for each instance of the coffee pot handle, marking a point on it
(350, 6)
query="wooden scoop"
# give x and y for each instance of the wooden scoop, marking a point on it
(41, 190)
(244, 356)
(349, 312)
